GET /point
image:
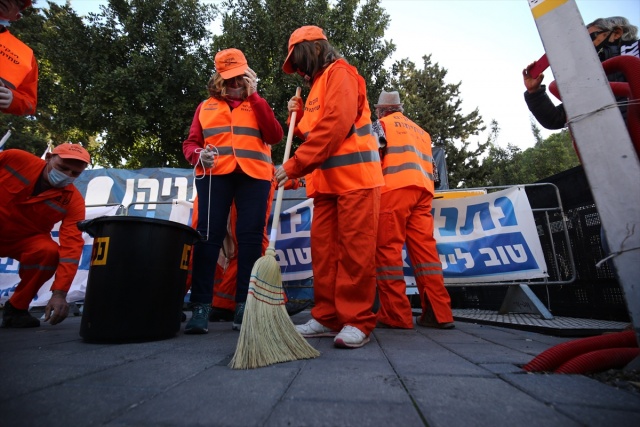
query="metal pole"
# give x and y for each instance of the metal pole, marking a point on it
(607, 154)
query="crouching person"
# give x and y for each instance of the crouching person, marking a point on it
(36, 194)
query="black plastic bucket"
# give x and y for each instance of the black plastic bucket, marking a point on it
(137, 278)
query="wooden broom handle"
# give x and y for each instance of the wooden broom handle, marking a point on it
(276, 211)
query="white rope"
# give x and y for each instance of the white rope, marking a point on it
(216, 154)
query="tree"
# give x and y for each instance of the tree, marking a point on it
(513, 166)
(355, 28)
(555, 154)
(129, 79)
(436, 107)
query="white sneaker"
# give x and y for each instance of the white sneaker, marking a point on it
(350, 337)
(313, 328)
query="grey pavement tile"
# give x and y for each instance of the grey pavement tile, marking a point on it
(335, 413)
(559, 389)
(44, 335)
(218, 396)
(451, 336)
(157, 371)
(502, 368)
(489, 353)
(67, 405)
(479, 402)
(525, 345)
(353, 381)
(601, 417)
(22, 379)
(432, 360)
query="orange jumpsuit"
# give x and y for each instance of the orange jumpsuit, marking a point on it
(405, 211)
(18, 72)
(26, 222)
(341, 157)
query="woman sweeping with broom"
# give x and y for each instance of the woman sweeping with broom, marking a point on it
(341, 156)
(229, 143)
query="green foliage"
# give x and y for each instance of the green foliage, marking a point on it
(436, 107)
(512, 166)
(126, 81)
(261, 29)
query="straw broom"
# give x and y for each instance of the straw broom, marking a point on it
(267, 335)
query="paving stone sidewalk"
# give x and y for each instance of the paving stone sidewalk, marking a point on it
(469, 376)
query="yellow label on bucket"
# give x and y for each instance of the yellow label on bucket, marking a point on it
(186, 255)
(100, 251)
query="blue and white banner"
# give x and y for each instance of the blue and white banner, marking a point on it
(480, 239)
(488, 238)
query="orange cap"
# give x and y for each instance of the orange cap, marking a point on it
(303, 34)
(230, 63)
(72, 151)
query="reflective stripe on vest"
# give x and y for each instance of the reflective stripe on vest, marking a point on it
(15, 60)
(236, 135)
(408, 161)
(356, 163)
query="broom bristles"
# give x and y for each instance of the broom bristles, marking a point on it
(267, 335)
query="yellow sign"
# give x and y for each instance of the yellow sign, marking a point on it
(458, 194)
(186, 255)
(100, 251)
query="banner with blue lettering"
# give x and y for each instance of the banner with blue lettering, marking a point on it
(488, 238)
(480, 239)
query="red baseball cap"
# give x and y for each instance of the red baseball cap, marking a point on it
(303, 34)
(230, 63)
(72, 151)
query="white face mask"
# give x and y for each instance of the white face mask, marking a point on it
(58, 179)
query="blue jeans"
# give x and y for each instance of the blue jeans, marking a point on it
(215, 196)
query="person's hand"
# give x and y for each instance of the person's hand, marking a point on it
(530, 83)
(206, 157)
(57, 308)
(294, 104)
(251, 81)
(281, 176)
(6, 96)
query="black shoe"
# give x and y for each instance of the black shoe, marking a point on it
(238, 315)
(199, 322)
(220, 315)
(296, 307)
(14, 318)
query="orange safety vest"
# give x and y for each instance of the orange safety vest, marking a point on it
(15, 60)
(236, 135)
(408, 161)
(356, 163)
(23, 215)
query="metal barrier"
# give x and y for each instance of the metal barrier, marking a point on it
(552, 227)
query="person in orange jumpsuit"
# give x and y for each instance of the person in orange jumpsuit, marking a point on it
(224, 287)
(340, 157)
(36, 194)
(405, 210)
(18, 67)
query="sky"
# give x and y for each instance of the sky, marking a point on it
(483, 44)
